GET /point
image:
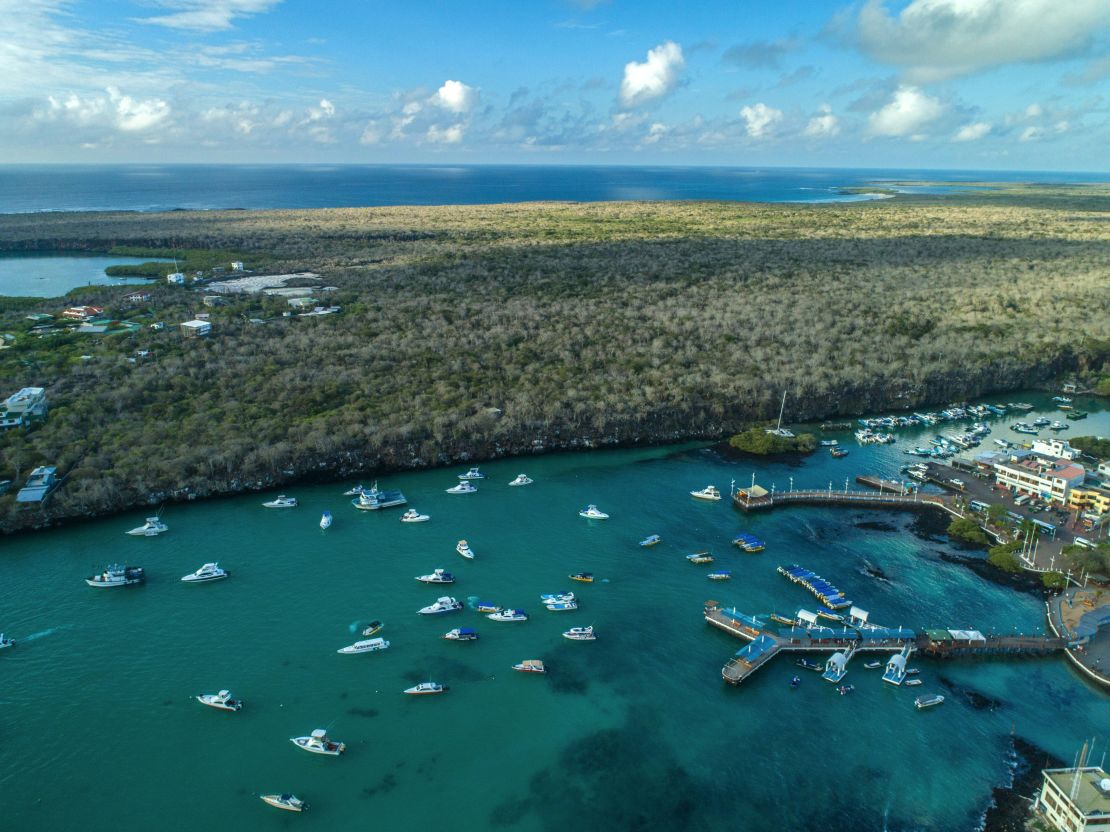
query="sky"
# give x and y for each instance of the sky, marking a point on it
(979, 84)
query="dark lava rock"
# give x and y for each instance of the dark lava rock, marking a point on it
(1009, 809)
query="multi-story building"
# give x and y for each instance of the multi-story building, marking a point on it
(1047, 479)
(20, 408)
(1090, 498)
(1075, 799)
(82, 313)
(1055, 448)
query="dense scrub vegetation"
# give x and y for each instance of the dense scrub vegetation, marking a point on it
(485, 330)
(1096, 446)
(758, 440)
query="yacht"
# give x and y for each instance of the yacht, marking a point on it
(373, 629)
(414, 516)
(463, 548)
(439, 576)
(583, 577)
(442, 605)
(370, 645)
(580, 634)
(461, 634)
(522, 479)
(426, 689)
(374, 498)
(487, 606)
(927, 701)
(223, 701)
(325, 520)
(651, 540)
(508, 615)
(281, 501)
(6, 642)
(153, 526)
(117, 575)
(354, 492)
(318, 743)
(289, 802)
(530, 666)
(472, 474)
(464, 487)
(592, 512)
(710, 492)
(208, 572)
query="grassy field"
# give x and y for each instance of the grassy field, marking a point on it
(485, 330)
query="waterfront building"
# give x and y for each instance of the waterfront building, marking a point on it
(195, 328)
(1055, 448)
(1075, 799)
(1050, 480)
(82, 313)
(39, 484)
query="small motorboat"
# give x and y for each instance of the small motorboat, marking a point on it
(912, 671)
(557, 596)
(464, 487)
(487, 607)
(808, 664)
(414, 516)
(797, 680)
(442, 605)
(117, 575)
(222, 701)
(426, 689)
(561, 606)
(651, 540)
(844, 690)
(581, 634)
(461, 634)
(288, 802)
(354, 492)
(1061, 399)
(927, 701)
(373, 629)
(521, 479)
(153, 526)
(530, 666)
(592, 512)
(6, 642)
(1041, 422)
(583, 577)
(463, 548)
(710, 492)
(873, 665)
(700, 557)
(837, 453)
(281, 501)
(439, 576)
(318, 743)
(208, 572)
(721, 575)
(508, 615)
(369, 646)
(472, 474)
(912, 683)
(325, 520)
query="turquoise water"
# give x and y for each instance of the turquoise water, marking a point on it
(98, 729)
(54, 275)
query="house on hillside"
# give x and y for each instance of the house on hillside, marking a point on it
(82, 313)
(138, 297)
(237, 266)
(195, 328)
(19, 409)
(176, 279)
(39, 484)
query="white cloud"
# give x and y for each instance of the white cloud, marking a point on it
(938, 39)
(112, 110)
(207, 15)
(456, 97)
(1034, 111)
(449, 135)
(655, 77)
(972, 132)
(908, 111)
(759, 119)
(823, 125)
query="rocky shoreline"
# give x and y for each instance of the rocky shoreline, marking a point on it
(1010, 805)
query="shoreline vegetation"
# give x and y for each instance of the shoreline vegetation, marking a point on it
(484, 331)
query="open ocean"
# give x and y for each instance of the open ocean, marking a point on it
(29, 188)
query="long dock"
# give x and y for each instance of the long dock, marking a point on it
(759, 500)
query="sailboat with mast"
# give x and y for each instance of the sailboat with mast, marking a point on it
(779, 430)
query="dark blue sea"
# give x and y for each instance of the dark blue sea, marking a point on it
(31, 188)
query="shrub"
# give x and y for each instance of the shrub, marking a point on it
(964, 528)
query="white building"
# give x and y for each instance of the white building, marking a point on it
(176, 279)
(195, 329)
(1104, 469)
(20, 408)
(237, 266)
(1055, 448)
(1049, 480)
(1075, 799)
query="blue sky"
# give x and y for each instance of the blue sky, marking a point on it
(1003, 84)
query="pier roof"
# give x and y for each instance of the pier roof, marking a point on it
(749, 653)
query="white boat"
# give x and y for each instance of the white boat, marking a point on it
(464, 487)
(461, 634)
(522, 479)
(592, 512)
(6, 642)
(208, 572)
(153, 526)
(580, 634)
(561, 606)
(873, 665)
(530, 666)
(288, 802)
(508, 615)
(439, 576)
(557, 597)
(318, 743)
(442, 605)
(927, 701)
(910, 683)
(372, 499)
(472, 474)
(710, 492)
(117, 575)
(414, 516)
(463, 548)
(370, 645)
(223, 701)
(426, 689)
(354, 492)
(325, 520)
(281, 501)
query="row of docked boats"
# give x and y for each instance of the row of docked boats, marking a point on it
(828, 594)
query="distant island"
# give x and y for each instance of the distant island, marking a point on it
(438, 334)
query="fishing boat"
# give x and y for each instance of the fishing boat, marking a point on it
(782, 619)
(464, 487)
(1041, 422)
(461, 634)
(530, 666)
(414, 516)
(117, 575)
(583, 577)
(700, 557)
(720, 575)
(442, 605)
(929, 700)
(281, 501)
(288, 802)
(426, 689)
(521, 479)
(710, 492)
(508, 615)
(374, 628)
(808, 664)
(222, 701)
(472, 474)
(438, 576)
(651, 540)
(153, 526)
(373, 499)
(208, 572)
(592, 512)
(370, 645)
(318, 742)
(325, 520)
(581, 634)
(354, 492)
(463, 548)
(873, 665)
(911, 683)
(1076, 415)
(6, 642)
(1058, 425)
(487, 607)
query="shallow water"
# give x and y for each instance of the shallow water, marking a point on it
(98, 729)
(53, 275)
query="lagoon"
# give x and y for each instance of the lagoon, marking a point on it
(50, 276)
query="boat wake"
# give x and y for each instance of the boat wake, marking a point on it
(41, 634)
(472, 602)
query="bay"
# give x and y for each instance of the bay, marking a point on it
(52, 275)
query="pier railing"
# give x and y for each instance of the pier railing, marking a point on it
(742, 500)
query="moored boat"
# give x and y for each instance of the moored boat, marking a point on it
(508, 615)
(354, 492)
(426, 689)
(472, 474)
(222, 701)
(373, 499)
(281, 501)
(872, 665)
(561, 606)
(700, 557)
(487, 607)
(530, 666)
(580, 634)
(439, 576)
(522, 479)
(373, 628)
(592, 512)
(912, 683)
(461, 634)
(117, 575)
(928, 700)
(808, 664)
(208, 572)
(710, 492)
(651, 540)
(414, 516)
(442, 605)
(153, 526)
(463, 548)
(583, 577)
(464, 487)
(318, 742)
(720, 575)
(288, 802)
(325, 520)
(368, 646)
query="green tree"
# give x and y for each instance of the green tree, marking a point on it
(1004, 557)
(964, 528)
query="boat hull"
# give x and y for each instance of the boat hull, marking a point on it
(276, 801)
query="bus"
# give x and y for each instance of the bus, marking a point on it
(978, 505)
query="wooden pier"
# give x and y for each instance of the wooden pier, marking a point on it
(758, 500)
